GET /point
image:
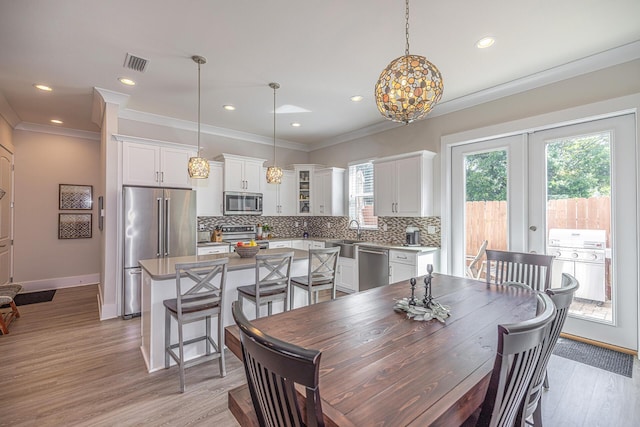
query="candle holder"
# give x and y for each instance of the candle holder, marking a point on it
(428, 299)
(412, 300)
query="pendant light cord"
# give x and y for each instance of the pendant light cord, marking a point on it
(406, 28)
(199, 62)
(274, 86)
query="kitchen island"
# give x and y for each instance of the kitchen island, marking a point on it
(159, 284)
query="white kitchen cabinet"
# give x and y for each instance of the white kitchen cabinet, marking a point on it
(347, 275)
(279, 199)
(328, 192)
(155, 165)
(280, 244)
(404, 265)
(209, 192)
(242, 174)
(216, 249)
(305, 244)
(403, 185)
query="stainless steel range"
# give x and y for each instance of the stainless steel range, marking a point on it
(233, 234)
(580, 253)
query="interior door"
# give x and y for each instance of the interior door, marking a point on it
(588, 172)
(488, 200)
(6, 215)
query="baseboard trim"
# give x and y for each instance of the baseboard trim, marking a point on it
(60, 282)
(600, 344)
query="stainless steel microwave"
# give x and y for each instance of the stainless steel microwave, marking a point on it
(242, 203)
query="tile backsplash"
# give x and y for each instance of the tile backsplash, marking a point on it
(333, 227)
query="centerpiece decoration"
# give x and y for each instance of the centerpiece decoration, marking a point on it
(425, 309)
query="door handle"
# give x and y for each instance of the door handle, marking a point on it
(157, 173)
(167, 205)
(161, 176)
(533, 228)
(159, 231)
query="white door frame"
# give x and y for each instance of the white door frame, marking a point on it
(580, 114)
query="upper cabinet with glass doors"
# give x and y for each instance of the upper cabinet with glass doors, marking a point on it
(403, 185)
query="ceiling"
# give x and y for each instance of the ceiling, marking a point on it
(321, 53)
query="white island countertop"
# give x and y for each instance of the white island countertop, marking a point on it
(165, 268)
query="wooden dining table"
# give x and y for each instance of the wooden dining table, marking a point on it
(380, 368)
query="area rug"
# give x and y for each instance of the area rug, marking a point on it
(33, 297)
(603, 358)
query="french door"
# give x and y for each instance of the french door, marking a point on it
(579, 179)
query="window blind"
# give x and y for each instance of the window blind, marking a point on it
(361, 195)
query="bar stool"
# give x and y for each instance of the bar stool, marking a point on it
(321, 275)
(275, 270)
(200, 300)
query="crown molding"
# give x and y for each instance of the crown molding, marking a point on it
(55, 130)
(156, 119)
(105, 96)
(8, 113)
(598, 61)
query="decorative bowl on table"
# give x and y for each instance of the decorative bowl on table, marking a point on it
(247, 251)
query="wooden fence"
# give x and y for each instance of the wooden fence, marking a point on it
(488, 220)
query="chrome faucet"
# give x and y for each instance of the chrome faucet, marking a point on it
(358, 233)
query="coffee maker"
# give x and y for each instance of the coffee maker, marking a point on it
(413, 236)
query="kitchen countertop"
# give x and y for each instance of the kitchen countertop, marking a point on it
(420, 249)
(165, 268)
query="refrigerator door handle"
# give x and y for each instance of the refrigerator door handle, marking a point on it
(159, 231)
(167, 221)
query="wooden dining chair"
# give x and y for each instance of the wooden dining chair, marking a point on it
(533, 270)
(321, 274)
(476, 266)
(199, 298)
(272, 282)
(519, 349)
(273, 368)
(531, 410)
(7, 295)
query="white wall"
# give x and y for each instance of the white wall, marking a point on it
(42, 162)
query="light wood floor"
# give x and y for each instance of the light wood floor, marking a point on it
(61, 366)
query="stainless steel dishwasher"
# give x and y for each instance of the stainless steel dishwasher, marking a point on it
(373, 267)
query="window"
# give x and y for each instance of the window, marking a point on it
(361, 195)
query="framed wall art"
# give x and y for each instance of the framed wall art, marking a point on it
(76, 197)
(74, 226)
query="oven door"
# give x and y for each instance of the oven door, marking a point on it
(242, 203)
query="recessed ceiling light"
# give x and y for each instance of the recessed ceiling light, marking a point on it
(56, 121)
(126, 81)
(357, 98)
(43, 88)
(296, 124)
(229, 107)
(485, 42)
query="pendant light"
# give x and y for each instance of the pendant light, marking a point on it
(274, 173)
(198, 166)
(409, 87)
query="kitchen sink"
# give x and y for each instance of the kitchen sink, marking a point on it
(347, 247)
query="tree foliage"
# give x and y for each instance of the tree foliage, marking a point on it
(486, 176)
(576, 168)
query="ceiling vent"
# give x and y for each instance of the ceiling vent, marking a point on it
(135, 63)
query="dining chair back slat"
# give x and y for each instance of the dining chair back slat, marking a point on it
(519, 350)
(533, 270)
(562, 298)
(273, 368)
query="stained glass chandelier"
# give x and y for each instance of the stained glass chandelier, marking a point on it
(409, 87)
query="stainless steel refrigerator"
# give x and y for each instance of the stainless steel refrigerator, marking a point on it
(158, 223)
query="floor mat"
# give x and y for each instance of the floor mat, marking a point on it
(33, 297)
(603, 358)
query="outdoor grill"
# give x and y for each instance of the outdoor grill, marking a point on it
(580, 253)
